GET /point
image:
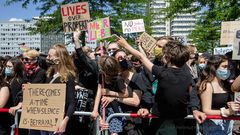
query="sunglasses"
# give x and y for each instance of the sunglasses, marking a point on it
(28, 60)
(112, 49)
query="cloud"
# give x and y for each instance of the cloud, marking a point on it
(15, 19)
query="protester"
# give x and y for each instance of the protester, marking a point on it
(32, 73)
(140, 95)
(173, 86)
(62, 70)
(88, 77)
(5, 102)
(192, 62)
(112, 47)
(215, 97)
(112, 85)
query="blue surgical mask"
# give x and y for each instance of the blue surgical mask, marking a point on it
(223, 74)
(202, 66)
(8, 71)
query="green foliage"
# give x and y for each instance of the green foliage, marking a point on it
(212, 12)
(118, 10)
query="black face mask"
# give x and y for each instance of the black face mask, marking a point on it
(125, 64)
(52, 62)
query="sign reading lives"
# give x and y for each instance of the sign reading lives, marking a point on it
(43, 106)
(75, 16)
(99, 29)
(133, 26)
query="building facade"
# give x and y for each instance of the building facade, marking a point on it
(181, 25)
(47, 40)
(14, 33)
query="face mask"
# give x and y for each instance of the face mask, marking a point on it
(202, 66)
(125, 64)
(223, 74)
(31, 68)
(52, 62)
(8, 72)
(158, 52)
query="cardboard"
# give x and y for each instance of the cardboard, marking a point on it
(43, 106)
(236, 46)
(99, 29)
(75, 16)
(228, 31)
(148, 42)
(133, 26)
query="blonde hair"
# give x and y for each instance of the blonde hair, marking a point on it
(65, 66)
(32, 54)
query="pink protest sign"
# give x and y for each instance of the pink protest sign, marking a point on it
(99, 29)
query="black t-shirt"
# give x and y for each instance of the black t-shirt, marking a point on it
(116, 85)
(172, 92)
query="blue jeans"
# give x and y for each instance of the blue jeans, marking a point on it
(218, 127)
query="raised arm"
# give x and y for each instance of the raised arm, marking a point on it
(145, 61)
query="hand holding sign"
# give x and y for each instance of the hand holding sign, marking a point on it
(122, 42)
(62, 127)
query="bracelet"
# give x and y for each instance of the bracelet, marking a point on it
(222, 112)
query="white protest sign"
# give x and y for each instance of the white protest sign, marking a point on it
(133, 26)
(222, 50)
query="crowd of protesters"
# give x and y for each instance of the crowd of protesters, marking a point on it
(118, 78)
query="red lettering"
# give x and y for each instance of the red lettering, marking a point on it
(63, 12)
(84, 10)
(102, 33)
(92, 25)
(71, 10)
(92, 36)
(78, 9)
(105, 23)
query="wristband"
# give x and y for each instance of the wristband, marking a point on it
(222, 112)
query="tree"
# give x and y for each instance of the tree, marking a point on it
(212, 12)
(118, 10)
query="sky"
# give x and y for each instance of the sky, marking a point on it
(16, 11)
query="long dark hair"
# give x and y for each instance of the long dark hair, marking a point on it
(209, 73)
(109, 67)
(18, 69)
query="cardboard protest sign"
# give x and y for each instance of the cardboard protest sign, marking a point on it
(75, 16)
(228, 31)
(236, 46)
(222, 50)
(133, 26)
(99, 29)
(148, 42)
(43, 106)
